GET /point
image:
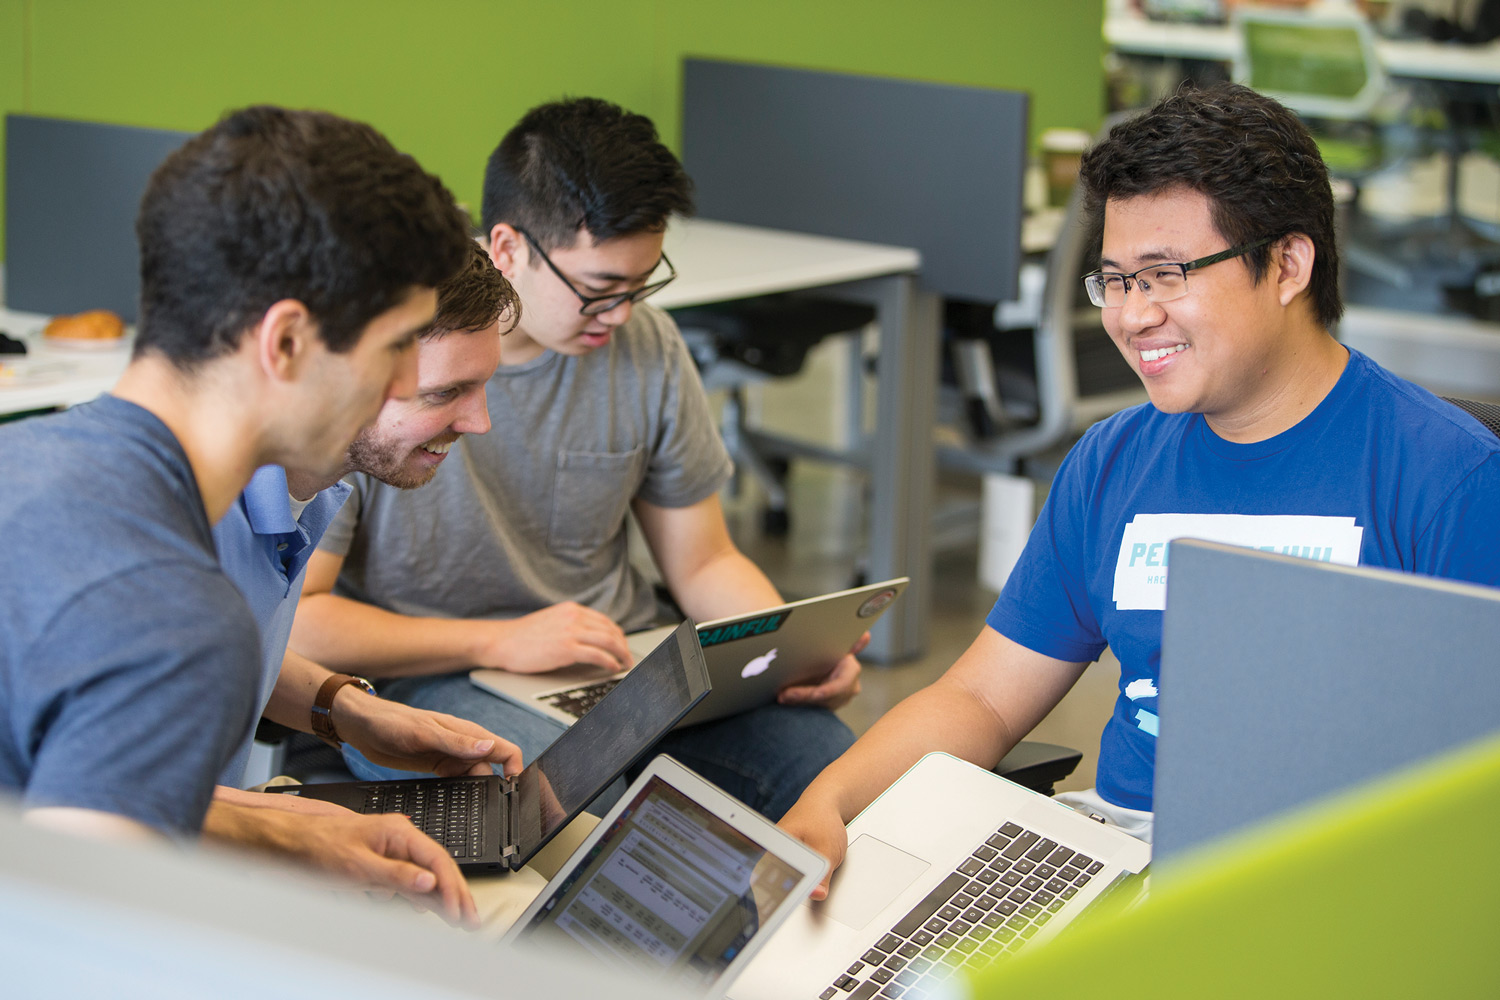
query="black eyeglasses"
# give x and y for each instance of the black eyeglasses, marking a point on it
(1158, 282)
(593, 305)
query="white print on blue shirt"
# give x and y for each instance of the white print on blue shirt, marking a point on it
(1142, 689)
(1141, 569)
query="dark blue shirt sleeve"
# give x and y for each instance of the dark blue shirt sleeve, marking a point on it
(137, 693)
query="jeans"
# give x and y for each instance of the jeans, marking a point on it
(764, 757)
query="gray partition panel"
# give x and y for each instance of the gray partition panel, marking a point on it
(931, 166)
(1284, 680)
(71, 194)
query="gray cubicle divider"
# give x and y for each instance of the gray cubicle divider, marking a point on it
(925, 165)
(1284, 680)
(71, 194)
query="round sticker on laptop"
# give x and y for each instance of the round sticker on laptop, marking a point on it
(876, 603)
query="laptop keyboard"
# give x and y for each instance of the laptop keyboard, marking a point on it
(576, 701)
(450, 812)
(994, 902)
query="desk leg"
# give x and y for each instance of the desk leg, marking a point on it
(902, 461)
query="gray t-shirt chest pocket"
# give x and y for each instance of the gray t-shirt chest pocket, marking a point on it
(591, 496)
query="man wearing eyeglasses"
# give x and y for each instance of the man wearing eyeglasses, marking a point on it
(515, 556)
(1218, 283)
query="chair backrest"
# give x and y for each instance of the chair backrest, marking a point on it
(1318, 64)
(1486, 413)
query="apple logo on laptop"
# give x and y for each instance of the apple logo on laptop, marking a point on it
(758, 665)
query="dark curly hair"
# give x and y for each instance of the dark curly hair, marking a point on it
(1253, 159)
(583, 163)
(273, 204)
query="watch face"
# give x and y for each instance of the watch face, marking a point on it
(369, 688)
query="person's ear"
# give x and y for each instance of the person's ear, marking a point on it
(507, 247)
(284, 339)
(1291, 265)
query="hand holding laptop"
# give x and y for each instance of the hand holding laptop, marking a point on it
(815, 820)
(836, 689)
(411, 739)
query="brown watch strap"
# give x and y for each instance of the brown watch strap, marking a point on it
(322, 709)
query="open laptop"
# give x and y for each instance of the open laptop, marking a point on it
(494, 823)
(679, 881)
(951, 867)
(750, 657)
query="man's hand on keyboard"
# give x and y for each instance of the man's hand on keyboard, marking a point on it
(554, 637)
(817, 823)
(384, 855)
(836, 689)
(412, 739)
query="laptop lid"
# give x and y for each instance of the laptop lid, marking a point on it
(679, 880)
(1284, 680)
(642, 708)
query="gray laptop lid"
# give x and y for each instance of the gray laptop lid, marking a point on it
(1284, 680)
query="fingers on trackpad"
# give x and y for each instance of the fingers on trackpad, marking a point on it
(873, 874)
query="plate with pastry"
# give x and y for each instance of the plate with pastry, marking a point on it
(94, 330)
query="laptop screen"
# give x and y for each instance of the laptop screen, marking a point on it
(670, 887)
(570, 773)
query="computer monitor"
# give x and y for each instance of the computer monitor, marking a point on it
(72, 190)
(1284, 680)
(926, 165)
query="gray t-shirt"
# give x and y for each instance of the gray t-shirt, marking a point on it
(534, 512)
(129, 664)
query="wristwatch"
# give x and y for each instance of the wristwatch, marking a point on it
(322, 720)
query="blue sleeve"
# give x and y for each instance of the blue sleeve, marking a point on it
(1045, 604)
(137, 704)
(1463, 541)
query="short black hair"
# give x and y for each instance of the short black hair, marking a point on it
(273, 204)
(473, 297)
(583, 163)
(1254, 160)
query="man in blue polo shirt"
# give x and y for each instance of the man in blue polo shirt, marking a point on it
(266, 537)
(1218, 283)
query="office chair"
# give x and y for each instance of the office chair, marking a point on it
(1486, 413)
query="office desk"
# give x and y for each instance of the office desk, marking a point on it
(1130, 33)
(721, 261)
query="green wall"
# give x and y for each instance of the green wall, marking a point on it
(445, 78)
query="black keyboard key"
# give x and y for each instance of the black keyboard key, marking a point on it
(1044, 871)
(946, 941)
(948, 912)
(992, 948)
(1010, 830)
(962, 901)
(1069, 873)
(1068, 893)
(973, 915)
(998, 842)
(981, 933)
(1096, 867)
(985, 853)
(1031, 883)
(908, 951)
(855, 969)
(993, 919)
(922, 939)
(916, 968)
(865, 991)
(1042, 918)
(1006, 907)
(1081, 861)
(1031, 909)
(974, 888)
(1082, 880)
(882, 975)
(845, 983)
(1020, 895)
(929, 905)
(1043, 898)
(1011, 878)
(1056, 885)
(932, 953)
(968, 946)
(1005, 934)
(1023, 866)
(1020, 845)
(874, 956)
(1059, 857)
(1056, 905)
(971, 866)
(827, 994)
(893, 990)
(910, 976)
(987, 876)
(984, 903)
(935, 926)
(1041, 849)
(895, 963)
(960, 928)
(888, 944)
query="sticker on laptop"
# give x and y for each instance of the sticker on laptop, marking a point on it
(728, 632)
(876, 603)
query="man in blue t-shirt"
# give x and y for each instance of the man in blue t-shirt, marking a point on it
(1218, 283)
(288, 262)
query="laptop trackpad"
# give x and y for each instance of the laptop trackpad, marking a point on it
(873, 874)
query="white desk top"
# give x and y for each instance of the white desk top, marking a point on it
(723, 261)
(1129, 32)
(716, 262)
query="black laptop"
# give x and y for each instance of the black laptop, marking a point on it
(492, 823)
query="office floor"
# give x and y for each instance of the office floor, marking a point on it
(820, 553)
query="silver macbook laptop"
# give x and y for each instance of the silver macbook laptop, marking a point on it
(493, 823)
(750, 657)
(678, 880)
(951, 866)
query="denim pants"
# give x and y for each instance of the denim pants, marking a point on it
(764, 757)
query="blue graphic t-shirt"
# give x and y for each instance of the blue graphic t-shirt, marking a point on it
(1382, 473)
